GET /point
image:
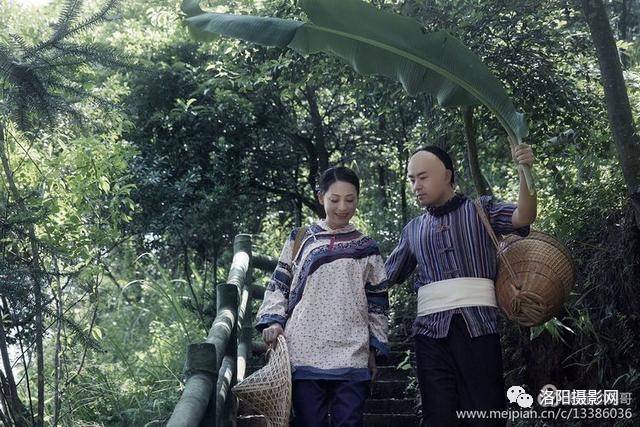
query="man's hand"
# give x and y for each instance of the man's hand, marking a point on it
(373, 369)
(522, 155)
(270, 334)
(526, 211)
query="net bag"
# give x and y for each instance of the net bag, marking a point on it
(268, 390)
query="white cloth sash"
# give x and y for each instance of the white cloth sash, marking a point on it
(453, 293)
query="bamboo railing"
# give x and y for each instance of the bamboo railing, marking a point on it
(217, 364)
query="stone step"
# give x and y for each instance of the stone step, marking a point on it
(391, 420)
(371, 406)
(389, 389)
(393, 373)
(396, 357)
(390, 406)
(370, 420)
(401, 345)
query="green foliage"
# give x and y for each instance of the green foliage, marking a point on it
(376, 42)
(145, 325)
(44, 79)
(220, 138)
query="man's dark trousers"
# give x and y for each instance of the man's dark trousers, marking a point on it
(459, 373)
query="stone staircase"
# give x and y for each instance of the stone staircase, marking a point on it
(391, 403)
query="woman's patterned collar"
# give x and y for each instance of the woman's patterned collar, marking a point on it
(451, 205)
(325, 227)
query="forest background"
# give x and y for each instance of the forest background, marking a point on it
(132, 155)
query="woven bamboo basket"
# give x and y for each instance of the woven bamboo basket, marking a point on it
(268, 390)
(535, 276)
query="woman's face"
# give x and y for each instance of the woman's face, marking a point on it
(340, 202)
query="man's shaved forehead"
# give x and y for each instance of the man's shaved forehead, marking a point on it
(428, 153)
(424, 161)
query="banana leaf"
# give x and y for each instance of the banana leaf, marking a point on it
(376, 42)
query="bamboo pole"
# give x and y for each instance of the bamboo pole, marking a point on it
(213, 363)
(245, 324)
(264, 263)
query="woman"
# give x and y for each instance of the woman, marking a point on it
(330, 301)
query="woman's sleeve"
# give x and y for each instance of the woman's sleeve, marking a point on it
(276, 297)
(376, 290)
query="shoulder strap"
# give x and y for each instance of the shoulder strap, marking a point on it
(487, 225)
(485, 221)
(297, 242)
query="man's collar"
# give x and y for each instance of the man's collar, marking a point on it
(451, 205)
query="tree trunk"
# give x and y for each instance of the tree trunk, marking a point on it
(403, 160)
(215, 266)
(57, 401)
(382, 171)
(382, 185)
(623, 22)
(297, 212)
(15, 408)
(187, 277)
(618, 108)
(318, 129)
(4, 411)
(23, 352)
(623, 28)
(9, 389)
(314, 168)
(35, 273)
(319, 141)
(479, 181)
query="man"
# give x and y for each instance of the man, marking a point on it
(458, 352)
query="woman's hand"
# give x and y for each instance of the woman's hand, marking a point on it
(270, 334)
(373, 369)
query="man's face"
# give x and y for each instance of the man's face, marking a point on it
(430, 180)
